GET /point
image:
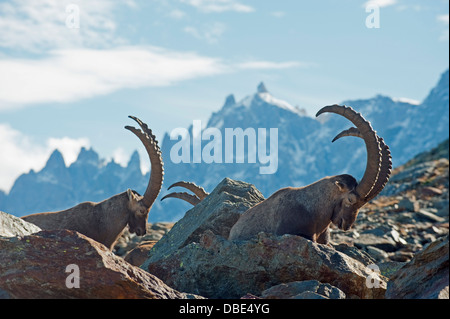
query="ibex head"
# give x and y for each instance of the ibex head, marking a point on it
(139, 206)
(376, 175)
(345, 211)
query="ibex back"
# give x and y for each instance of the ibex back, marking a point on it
(105, 221)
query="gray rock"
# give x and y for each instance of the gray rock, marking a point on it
(375, 240)
(218, 212)
(12, 226)
(376, 253)
(429, 216)
(442, 207)
(409, 204)
(218, 268)
(355, 253)
(309, 295)
(35, 266)
(303, 290)
(388, 268)
(428, 270)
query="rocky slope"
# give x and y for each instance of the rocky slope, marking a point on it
(398, 243)
(66, 264)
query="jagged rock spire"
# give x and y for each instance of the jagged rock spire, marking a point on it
(230, 100)
(262, 88)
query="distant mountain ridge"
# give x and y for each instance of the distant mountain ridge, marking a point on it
(58, 187)
(305, 153)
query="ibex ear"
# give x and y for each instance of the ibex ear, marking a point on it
(342, 188)
(132, 197)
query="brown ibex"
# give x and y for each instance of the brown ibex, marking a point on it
(105, 221)
(309, 211)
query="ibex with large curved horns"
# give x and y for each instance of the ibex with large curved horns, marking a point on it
(105, 221)
(309, 211)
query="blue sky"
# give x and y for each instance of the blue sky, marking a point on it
(170, 62)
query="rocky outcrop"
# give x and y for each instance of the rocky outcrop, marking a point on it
(66, 264)
(128, 241)
(11, 226)
(403, 236)
(309, 289)
(426, 276)
(217, 213)
(217, 268)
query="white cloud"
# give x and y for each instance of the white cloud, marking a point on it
(69, 147)
(210, 33)
(20, 153)
(444, 19)
(68, 75)
(120, 156)
(380, 3)
(219, 5)
(278, 14)
(40, 25)
(177, 14)
(75, 74)
(406, 100)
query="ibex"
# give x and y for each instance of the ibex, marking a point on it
(105, 221)
(309, 211)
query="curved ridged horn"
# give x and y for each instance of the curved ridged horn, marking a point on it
(386, 161)
(372, 146)
(191, 199)
(157, 166)
(352, 131)
(197, 190)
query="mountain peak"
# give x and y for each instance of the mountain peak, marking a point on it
(440, 92)
(135, 161)
(88, 156)
(229, 101)
(56, 160)
(262, 88)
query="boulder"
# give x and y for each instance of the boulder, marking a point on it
(138, 255)
(409, 204)
(218, 212)
(11, 226)
(426, 276)
(67, 264)
(382, 237)
(309, 289)
(217, 268)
